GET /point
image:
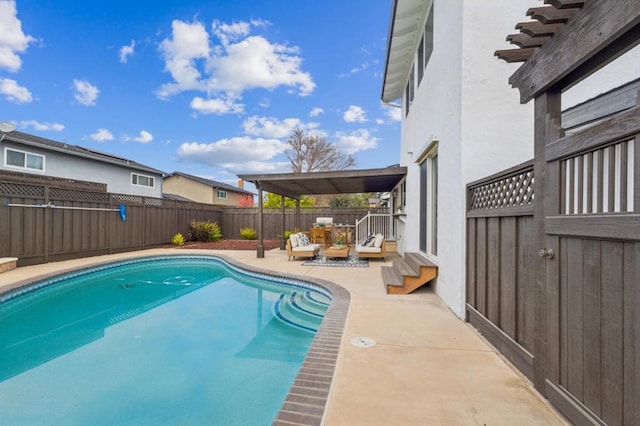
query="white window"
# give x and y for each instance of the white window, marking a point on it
(23, 159)
(410, 91)
(222, 194)
(420, 61)
(142, 180)
(429, 200)
(427, 40)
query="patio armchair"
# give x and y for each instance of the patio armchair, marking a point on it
(294, 249)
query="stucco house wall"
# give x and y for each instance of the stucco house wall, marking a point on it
(58, 163)
(464, 103)
(204, 191)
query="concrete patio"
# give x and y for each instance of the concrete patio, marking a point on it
(427, 366)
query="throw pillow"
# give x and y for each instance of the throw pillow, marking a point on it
(377, 243)
(367, 240)
(303, 240)
(294, 240)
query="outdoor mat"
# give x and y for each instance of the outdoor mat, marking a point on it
(353, 261)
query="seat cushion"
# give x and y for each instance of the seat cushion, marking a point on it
(294, 240)
(367, 249)
(307, 248)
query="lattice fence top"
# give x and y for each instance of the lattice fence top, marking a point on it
(21, 190)
(73, 195)
(54, 193)
(508, 192)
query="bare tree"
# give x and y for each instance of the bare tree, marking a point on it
(315, 154)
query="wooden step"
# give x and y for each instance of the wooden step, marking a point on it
(8, 263)
(416, 261)
(404, 268)
(408, 273)
(391, 277)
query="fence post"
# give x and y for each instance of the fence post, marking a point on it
(47, 226)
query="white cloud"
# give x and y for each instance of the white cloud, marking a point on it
(392, 113)
(239, 153)
(315, 112)
(354, 114)
(13, 92)
(189, 43)
(102, 135)
(12, 40)
(228, 33)
(362, 67)
(256, 63)
(85, 92)
(224, 71)
(144, 137)
(270, 127)
(259, 167)
(56, 127)
(359, 140)
(217, 106)
(126, 51)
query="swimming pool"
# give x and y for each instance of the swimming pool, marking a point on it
(164, 340)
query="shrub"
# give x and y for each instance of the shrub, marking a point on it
(204, 231)
(177, 240)
(287, 234)
(248, 234)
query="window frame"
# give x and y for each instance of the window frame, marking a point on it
(428, 163)
(151, 179)
(222, 195)
(420, 60)
(25, 164)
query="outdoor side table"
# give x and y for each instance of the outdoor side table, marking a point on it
(337, 251)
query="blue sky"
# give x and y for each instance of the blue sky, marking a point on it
(210, 88)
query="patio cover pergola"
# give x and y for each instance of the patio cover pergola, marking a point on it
(295, 185)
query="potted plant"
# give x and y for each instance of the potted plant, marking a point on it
(340, 240)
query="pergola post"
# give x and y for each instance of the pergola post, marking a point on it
(260, 249)
(282, 241)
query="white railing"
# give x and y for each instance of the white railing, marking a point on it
(376, 223)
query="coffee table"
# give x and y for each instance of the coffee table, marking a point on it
(337, 251)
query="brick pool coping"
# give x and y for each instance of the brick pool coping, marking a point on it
(308, 396)
(306, 401)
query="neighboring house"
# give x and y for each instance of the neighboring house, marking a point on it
(461, 121)
(21, 152)
(207, 191)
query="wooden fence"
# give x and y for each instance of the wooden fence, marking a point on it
(49, 221)
(233, 219)
(555, 286)
(44, 220)
(501, 246)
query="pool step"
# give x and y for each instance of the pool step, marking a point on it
(303, 310)
(8, 263)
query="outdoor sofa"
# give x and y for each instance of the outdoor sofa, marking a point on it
(375, 247)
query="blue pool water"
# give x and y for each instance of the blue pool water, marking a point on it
(170, 340)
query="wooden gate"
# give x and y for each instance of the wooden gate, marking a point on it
(592, 251)
(586, 350)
